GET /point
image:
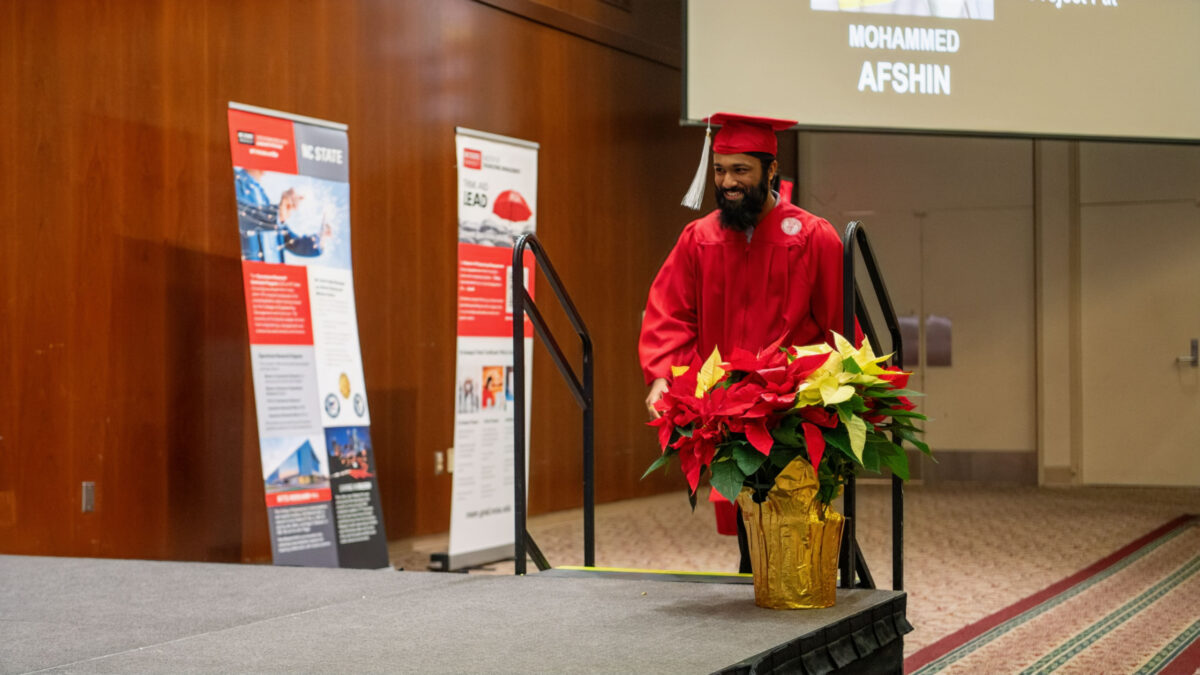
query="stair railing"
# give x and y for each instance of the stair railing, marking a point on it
(582, 392)
(852, 563)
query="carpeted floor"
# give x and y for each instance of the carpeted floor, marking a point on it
(970, 549)
(1137, 610)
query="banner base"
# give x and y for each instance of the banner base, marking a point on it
(446, 562)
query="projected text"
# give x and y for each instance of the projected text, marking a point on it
(905, 78)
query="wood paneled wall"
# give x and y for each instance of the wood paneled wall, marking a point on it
(123, 351)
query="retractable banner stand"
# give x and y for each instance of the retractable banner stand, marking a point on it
(497, 202)
(291, 179)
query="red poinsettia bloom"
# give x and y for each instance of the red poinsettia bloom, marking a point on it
(814, 440)
(820, 416)
(899, 380)
(713, 410)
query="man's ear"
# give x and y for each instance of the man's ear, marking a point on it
(774, 169)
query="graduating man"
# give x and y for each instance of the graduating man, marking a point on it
(753, 272)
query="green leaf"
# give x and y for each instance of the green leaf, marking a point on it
(903, 413)
(845, 411)
(897, 461)
(785, 433)
(851, 366)
(870, 457)
(748, 459)
(857, 404)
(727, 479)
(658, 464)
(827, 493)
(883, 444)
(692, 500)
(725, 450)
(840, 439)
(886, 391)
(912, 438)
(781, 457)
(886, 446)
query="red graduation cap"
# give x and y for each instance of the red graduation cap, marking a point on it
(743, 133)
(738, 134)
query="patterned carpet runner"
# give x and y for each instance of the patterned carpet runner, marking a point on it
(1135, 611)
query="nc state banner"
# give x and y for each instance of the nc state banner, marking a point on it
(291, 181)
(497, 202)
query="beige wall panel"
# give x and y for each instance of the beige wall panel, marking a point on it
(951, 223)
(1140, 233)
(889, 172)
(1119, 172)
(1141, 291)
(1053, 213)
(979, 273)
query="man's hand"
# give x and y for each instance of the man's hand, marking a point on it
(657, 389)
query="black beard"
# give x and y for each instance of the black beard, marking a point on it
(742, 214)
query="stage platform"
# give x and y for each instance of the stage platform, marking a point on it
(74, 615)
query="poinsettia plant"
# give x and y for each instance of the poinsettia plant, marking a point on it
(740, 422)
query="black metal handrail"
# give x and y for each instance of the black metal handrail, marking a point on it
(582, 391)
(852, 307)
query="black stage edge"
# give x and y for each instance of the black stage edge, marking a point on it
(871, 641)
(867, 642)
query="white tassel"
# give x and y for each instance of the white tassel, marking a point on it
(695, 193)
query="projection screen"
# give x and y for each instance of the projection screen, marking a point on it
(1120, 69)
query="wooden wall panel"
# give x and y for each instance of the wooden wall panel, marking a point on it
(123, 340)
(647, 28)
(652, 21)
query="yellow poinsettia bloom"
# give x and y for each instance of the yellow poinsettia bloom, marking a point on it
(813, 349)
(857, 429)
(827, 385)
(676, 371)
(710, 373)
(864, 357)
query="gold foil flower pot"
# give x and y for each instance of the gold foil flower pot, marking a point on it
(794, 542)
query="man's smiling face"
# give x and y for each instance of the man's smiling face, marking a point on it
(742, 186)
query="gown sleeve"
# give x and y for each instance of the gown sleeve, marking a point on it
(669, 327)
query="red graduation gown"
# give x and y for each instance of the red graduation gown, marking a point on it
(718, 290)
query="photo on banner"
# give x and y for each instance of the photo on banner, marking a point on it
(497, 203)
(292, 189)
